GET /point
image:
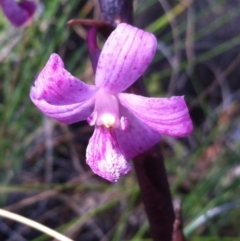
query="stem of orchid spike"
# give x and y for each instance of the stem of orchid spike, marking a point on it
(155, 193)
(116, 11)
(149, 166)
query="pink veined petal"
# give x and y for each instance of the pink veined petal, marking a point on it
(168, 116)
(125, 56)
(67, 114)
(57, 86)
(104, 156)
(137, 137)
(18, 13)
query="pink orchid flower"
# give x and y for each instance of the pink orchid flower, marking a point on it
(125, 124)
(18, 13)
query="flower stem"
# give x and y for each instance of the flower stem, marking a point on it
(116, 11)
(155, 193)
(149, 166)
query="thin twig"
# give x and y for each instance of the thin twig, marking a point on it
(33, 224)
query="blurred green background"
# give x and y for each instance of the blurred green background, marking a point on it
(43, 173)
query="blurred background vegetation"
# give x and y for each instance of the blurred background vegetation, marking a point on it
(43, 173)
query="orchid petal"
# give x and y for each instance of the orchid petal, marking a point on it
(137, 137)
(57, 86)
(104, 155)
(67, 114)
(124, 58)
(18, 13)
(168, 116)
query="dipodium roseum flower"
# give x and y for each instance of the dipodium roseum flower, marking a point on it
(125, 124)
(18, 13)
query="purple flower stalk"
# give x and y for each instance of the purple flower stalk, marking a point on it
(18, 13)
(125, 124)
